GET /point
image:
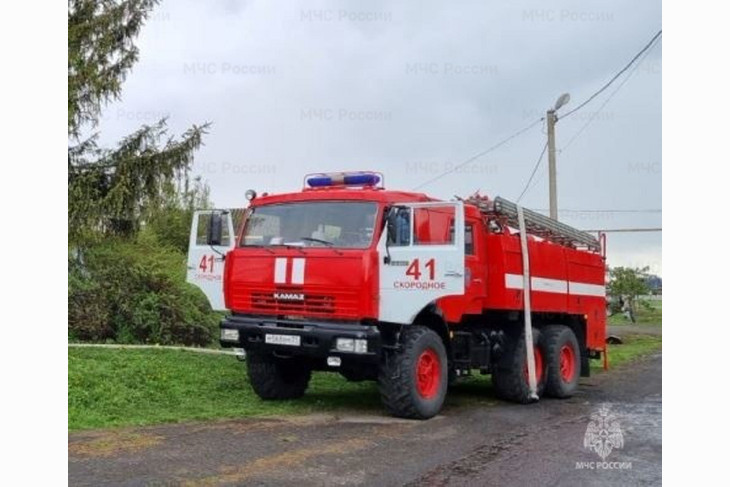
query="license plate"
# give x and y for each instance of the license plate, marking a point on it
(291, 340)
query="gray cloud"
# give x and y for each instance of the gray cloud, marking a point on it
(409, 88)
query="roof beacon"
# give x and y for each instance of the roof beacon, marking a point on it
(359, 178)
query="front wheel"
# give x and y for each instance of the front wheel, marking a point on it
(277, 378)
(413, 380)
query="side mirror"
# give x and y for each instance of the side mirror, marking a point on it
(391, 224)
(398, 225)
(215, 229)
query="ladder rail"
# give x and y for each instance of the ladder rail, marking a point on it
(536, 223)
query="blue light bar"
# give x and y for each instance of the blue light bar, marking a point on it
(343, 179)
(319, 181)
(364, 179)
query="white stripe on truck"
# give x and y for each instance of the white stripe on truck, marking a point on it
(543, 284)
(280, 270)
(297, 271)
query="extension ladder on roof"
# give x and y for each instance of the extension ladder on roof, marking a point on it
(536, 223)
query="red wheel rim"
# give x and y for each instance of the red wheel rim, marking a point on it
(428, 374)
(538, 367)
(567, 363)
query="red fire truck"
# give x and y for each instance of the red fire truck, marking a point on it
(402, 289)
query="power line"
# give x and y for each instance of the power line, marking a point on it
(623, 230)
(613, 93)
(534, 170)
(539, 179)
(649, 210)
(616, 76)
(483, 153)
(521, 131)
(645, 52)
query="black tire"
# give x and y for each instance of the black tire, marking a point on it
(561, 383)
(509, 378)
(398, 379)
(277, 378)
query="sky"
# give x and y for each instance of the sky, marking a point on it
(413, 89)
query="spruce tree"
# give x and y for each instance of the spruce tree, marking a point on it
(112, 191)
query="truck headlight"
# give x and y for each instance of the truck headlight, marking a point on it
(229, 335)
(351, 345)
(361, 346)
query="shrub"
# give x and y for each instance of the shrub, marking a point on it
(88, 319)
(135, 292)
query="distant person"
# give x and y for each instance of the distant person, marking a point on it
(627, 308)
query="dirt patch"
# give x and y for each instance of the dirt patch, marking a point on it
(113, 443)
(237, 427)
(279, 462)
(635, 329)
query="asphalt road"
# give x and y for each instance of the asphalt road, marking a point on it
(492, 443)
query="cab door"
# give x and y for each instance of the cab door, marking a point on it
(205, 262)
(421, 258)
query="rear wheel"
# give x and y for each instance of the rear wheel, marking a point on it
(510, 377)
(277, 378)
(562, 357)
(413, 380)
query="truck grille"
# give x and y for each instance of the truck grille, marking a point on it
(312, 303)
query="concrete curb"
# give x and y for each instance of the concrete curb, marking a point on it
(156, 347)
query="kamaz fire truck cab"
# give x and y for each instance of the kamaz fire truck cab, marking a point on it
(397, 287)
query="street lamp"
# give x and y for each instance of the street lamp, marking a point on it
(562, 101)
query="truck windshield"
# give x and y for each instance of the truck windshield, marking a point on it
(340, 224)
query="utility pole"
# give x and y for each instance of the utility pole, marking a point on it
(552, 171)
(552, 119)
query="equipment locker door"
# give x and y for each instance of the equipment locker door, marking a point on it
(475, 270)
(205, 262)
(421, 258)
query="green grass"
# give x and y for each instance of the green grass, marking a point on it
(114, 387)
(634, 347)
(648, 312)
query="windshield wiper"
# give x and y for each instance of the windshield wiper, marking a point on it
(323, 242)
(318, 240)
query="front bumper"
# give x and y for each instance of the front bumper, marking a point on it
(317, 338)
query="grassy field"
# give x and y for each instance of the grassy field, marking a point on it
(649, 312)
(112, 387)
(634, 346)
